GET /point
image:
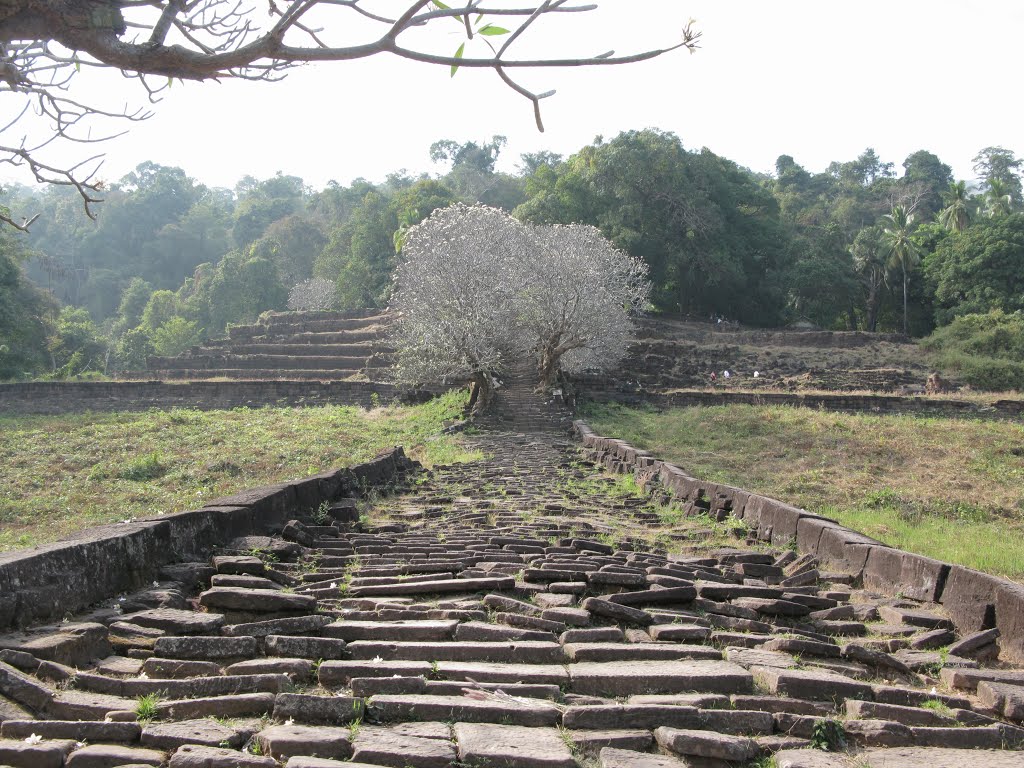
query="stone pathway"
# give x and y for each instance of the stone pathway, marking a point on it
(523, 610)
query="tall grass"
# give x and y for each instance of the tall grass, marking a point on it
(947, 488)
(63, 473)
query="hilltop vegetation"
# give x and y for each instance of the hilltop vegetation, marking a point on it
(171, 261)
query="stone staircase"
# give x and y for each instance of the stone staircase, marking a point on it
(522, 610)
(323, 346)
(519, 406)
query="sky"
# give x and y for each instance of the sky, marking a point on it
(820, 81)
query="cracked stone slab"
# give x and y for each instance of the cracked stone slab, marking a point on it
(511, 746)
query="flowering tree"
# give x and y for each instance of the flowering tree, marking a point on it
(456, 297)
(578, 304)
(477, 290)
(314, 294)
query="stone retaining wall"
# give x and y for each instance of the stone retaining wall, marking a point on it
(73, 397)
(605, 390)
(973, 600)
(53, 580)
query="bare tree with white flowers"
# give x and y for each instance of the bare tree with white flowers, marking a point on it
(580, 300)
(312, 295)
(477, 291)
(457, 295)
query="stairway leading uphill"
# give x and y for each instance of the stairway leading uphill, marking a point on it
(522, 610)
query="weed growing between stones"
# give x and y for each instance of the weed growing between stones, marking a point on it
(146, 708)
(148, 467)
(828, 735)
(940, 708)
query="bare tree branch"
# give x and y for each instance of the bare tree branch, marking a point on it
(45, 43)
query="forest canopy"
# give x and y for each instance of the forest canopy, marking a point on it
(170, 261)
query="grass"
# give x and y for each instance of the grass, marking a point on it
(64, 473)
(952, 489)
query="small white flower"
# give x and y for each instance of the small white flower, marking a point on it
(122, 599)
(290, 721)
(79, 744)
(377, 659)
(156, 583)
(118, 609)
(933, 691)
(65, 620)
(143, 676)
(34, 739)
(160, 513)
(334, 585)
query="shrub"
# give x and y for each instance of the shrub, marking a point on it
(983, 350)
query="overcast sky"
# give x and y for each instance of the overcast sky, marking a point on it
(820, 81)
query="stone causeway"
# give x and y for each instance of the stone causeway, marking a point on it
(566, 601)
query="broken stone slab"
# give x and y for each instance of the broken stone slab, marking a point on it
(295, 625)
(296, 646)
(389, 708)
(478, 631)
(74, 644)
(878, 733)
(806, 684)
(589, 743)
(611, 610)
(512, 746)
(637, 651)
(106, 755)
(383, 746)
(924, 757)
(319, 710)
(179, 669)
(1005, 698)
(195, 756)
(364, 687)
(656, 677)
(440, 586)
(238, 705)
(811, 758)
(242, 580)
(973, 643)
(706, 744)
(239, 564)
(802, 647)
(914, 618)
(285, 741)
(613, 757)
(23, 689)
(430, 631)
(510, 605)
(681, 633)
(82, 705)
(968, 679)
(204, 648)
(985, 737)
(607, 716)
(869, 710)
(296, 669)
(256, 601)
(525, 652)
(20, 754)
(206, 732)
(74, 730)
(487, 672)
(336, 673)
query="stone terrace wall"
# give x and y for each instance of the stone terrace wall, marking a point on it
(604, 389)
(71, 397)
(973, 600)
(51, 580)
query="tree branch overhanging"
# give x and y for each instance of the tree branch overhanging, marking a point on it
(47, 43)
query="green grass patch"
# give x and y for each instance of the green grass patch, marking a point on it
(947, 488)
(64, 473)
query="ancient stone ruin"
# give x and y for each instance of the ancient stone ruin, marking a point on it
(524, 610)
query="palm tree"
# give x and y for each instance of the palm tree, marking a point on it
(870, 259)
(955, 216)
(903, 252)
(998, 201)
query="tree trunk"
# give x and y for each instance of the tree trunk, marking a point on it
(905, 301)
(874, 301)
(481, 392)
(547, 367)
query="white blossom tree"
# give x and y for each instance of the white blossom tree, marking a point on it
(313, 294)
(456, 296)
(477, 291)
(580, 300)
